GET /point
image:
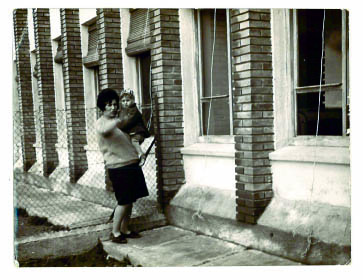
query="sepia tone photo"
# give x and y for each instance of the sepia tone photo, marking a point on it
(181, 137)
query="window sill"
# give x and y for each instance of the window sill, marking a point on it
(210, 149)
(323, 141)
(214, 139)
(318, 154)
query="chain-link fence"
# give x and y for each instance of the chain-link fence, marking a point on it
(88, 201)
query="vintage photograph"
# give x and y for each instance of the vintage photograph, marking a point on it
(181, 137)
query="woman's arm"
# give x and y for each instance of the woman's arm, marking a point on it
(105, 127)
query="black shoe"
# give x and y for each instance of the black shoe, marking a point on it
(121, 239)
(132, 234)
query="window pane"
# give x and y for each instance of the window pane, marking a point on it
(145, 60)
(310, 27)
(96, 78)
(220, 54)
(311, 60)
(330, 122)
(214, 64)
(145, 77)
(216, 117)
(333, 47)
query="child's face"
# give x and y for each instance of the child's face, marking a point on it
(126, 101)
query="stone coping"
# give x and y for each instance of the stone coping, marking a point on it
(319, 154)
(210, 149)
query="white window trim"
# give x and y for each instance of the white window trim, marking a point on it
(222, 139)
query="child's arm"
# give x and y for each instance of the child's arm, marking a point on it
(136, 143)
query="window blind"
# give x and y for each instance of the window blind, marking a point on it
(139, 34)
(92, 58)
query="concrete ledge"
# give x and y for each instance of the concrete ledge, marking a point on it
(60, 244)
(319, 154)
(267, 239)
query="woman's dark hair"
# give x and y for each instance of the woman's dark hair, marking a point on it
(106, 96)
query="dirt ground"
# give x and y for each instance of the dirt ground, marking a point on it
(26, 225)
(95, 257)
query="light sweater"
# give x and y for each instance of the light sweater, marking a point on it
(114, 144)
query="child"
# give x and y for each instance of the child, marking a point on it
(136, 127)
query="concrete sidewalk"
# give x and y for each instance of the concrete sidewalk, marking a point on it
(170, 246)
(165, 246)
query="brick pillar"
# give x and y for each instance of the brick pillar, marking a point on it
(110, 76)
(74, 92)
(168, 104)
(253, 110)
(46, 92)
(109, 49)
(25, 94)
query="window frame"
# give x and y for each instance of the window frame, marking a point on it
(213, 138)
(96, 87)
(140, 101)
(299, 90)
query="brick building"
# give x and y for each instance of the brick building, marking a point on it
(232, 97)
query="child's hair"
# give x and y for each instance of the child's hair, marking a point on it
(127, 92)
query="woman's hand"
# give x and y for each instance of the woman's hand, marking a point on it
(118, 123)
(105, 127)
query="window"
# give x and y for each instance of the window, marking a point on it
(321, 57)
(96, 84)
(214, 72)
(144, 71)
(90, 47)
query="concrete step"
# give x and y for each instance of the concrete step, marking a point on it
(170, 246)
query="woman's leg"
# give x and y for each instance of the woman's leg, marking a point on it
(120, 214)
(125, 221)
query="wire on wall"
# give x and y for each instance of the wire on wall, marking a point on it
(309, 240)
(198, 212)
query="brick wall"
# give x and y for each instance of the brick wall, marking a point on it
(46, 91)
(25, 95)
(252, 110)
(167, 98)
(74, 92)
(109, 49)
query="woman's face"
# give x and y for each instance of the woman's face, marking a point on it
(111, 109)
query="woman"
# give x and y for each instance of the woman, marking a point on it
(122, 163)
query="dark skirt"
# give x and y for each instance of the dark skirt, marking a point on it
(128, 183)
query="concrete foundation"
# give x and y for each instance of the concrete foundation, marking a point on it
(204, 210)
